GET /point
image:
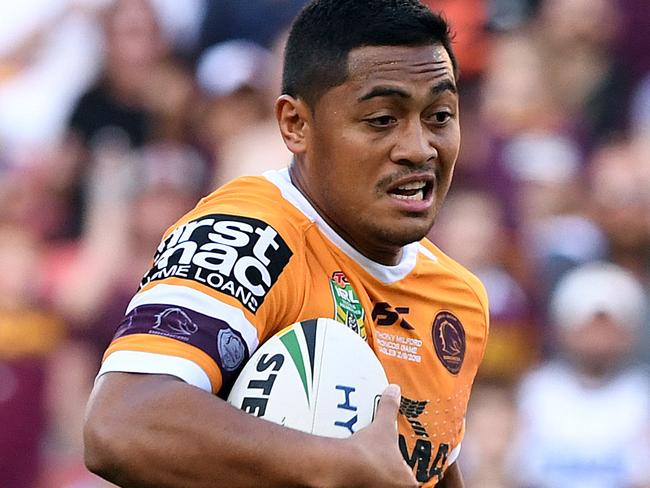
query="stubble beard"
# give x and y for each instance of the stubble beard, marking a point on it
(399, 236)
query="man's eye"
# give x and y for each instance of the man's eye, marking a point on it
(441, 117)
(382, 121)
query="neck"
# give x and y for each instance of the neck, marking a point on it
(386, 255)
(595, 375)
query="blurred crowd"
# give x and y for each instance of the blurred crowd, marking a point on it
(116, 116)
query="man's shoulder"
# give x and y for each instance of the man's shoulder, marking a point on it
(232, 247)
(454, 270)
(254, 199)
(252, 193)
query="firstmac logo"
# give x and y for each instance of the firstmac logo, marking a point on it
(239, 256)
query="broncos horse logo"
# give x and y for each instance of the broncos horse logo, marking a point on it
(175, 321)
(449, 341)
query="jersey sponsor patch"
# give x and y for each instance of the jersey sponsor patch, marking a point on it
(238, 256)
(426, 458)
(215, 337)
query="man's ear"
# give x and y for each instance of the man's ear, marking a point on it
(294, 118)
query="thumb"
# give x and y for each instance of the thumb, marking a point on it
(389, 405)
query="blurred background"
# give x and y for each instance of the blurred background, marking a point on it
(117, 115)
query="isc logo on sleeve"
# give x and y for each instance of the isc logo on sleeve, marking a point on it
(239, 256)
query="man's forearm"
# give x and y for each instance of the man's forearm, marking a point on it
(161, 432)
(156, 431)
(453, 478)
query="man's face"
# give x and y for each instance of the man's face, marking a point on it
(599, 344)
(380, 148)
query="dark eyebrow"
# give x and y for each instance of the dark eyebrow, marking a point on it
(384, 91)
(389, 91)
(446, 85)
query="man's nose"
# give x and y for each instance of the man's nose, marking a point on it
(414, 145)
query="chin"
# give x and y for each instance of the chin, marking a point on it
(406, 231)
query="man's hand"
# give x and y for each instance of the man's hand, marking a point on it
(377, 449)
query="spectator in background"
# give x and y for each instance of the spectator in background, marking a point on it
(260, 21)
(535, 163)
(472, 229)
(510, 15)
(640, 147)
(634, 36)
(515, 103)
(551, 208)
(29, 335)
(577, 39)
(134, 196)
(584, 417)
(50, 51)
(234, 76)
(620, 203)
(70, 373)
(240, 81)
(181, 23)
(144, 95)
(640, 109)
(134, 49)
(33, 192)
(490, 431)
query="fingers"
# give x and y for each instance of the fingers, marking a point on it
(380, 438)
(389, 405)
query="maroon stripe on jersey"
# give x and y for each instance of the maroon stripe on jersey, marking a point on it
(215, 337)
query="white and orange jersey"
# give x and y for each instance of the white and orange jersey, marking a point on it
(254, 257)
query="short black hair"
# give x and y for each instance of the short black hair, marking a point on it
(325, 31)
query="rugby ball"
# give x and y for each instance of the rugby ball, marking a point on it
(317, 376)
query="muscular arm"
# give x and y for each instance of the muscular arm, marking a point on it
(453, 478)
(156, 431)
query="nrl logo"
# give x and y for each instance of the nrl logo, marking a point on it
(347, 307)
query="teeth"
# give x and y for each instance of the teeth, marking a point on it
(415, 185)
(418, 196)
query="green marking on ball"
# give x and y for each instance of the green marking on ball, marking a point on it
(290, 341)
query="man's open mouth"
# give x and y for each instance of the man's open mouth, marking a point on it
(414, 190)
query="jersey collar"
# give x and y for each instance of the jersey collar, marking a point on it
(382, 272)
